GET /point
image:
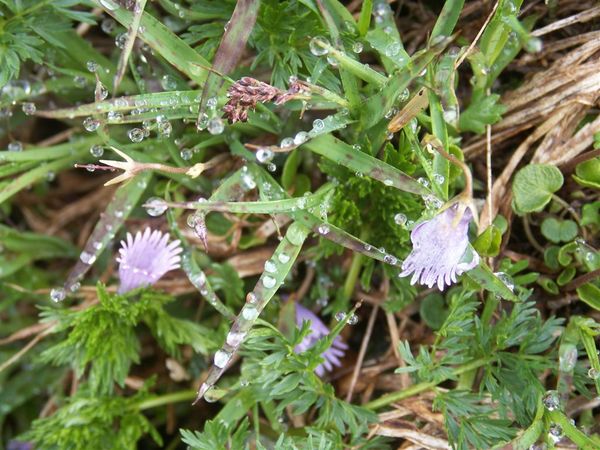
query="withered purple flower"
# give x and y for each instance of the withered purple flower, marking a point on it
(145, 258)
(318, 330)
(440, 249)
(246, 92)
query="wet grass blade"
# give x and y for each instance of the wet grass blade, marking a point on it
(231, 48)
(166, 43)
(379, 104)
(126, 197)
(357, 161)
(444, 26)
(284, 257)
(138, 10)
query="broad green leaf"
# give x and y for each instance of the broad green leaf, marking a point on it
(534, 185)
(556, 230)
(587, 173)
(590, 294)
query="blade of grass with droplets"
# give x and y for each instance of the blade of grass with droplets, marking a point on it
(231, 47)
(257, 207)
(364, 19)
(200, 11)
(138, 10)
(357, 161)
(379, 104)
(385, 38)
(483, 276)
(117, 211)
(441, 166)
(231, 189)
(283, 259)
(40, 172)
(47, 153)
(166, 43)
(171, 99)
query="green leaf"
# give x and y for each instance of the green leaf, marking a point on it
(433, 310)
(488, 242)
(557, 231)
(590, 214)
(590, 294)
(481, 112)
(534, 185)
(587, 173)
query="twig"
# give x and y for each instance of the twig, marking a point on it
(583, 16)
(465, 54)
(583, 279)
(14, 358)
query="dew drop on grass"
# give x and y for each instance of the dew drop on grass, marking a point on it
(251, 298)
(222, 358)
(390, 259)
(593, 374)
(235, 338)
(215, 126)
(155, 206)
(136, 135)
(87, 258)
(392, 50)
(186, 154)
(268, 281)
(96, 151)
(400, 219)
(438, 178)
(339, 316)
(92, 66)
(300, 138)
(264, 155)
(323, 229)
(318, 125)
(110, 5)
(270, 266)
(15, 146)
(506, 280)
(101, 93)
(58, 295)
(551, 400)
(315, 47)
(249, 312)
(120, 40)
(283, 258)
(555, 432)
(357, 47)
(168, 83)
(352, 320)
(287, 142)
(91, 124)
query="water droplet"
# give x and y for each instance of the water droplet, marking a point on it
(107, 25)
(248, 181)
(271, 167)
(283, 258)
(357, 47)
(96, 151)
(155, 206)
(92, 66)
(264, 155)
(251, 298)
(268, 281)
(300, 138)
(136, 134)
(87, 258)
(101, 92)
(270, 266)
(235, 338)
(58, 295)
(438, 178)
(390, 259)
(567, 358)
(287, 142)
(75, 286)
(215, 126)
(164, 127)
(120, 40)
(50, 176)
(249, 312)
(534, 45)
(423, 181)
(244, 383)
(168, 82)
(392, 50)
(318, 125)
(388, 182)
(400, 219)
(352, 320)
(15, 146)
(91, 124)
(28, 108)
(222, 358)
(593, 373)
(315, 46)
(323, 229)
(506, 279)
(551, 400)
(339, 316)
(186, 154)
(555, 432)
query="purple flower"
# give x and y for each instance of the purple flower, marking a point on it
(440, 249)
(318, 330)
(19, 445)
(145, 258)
